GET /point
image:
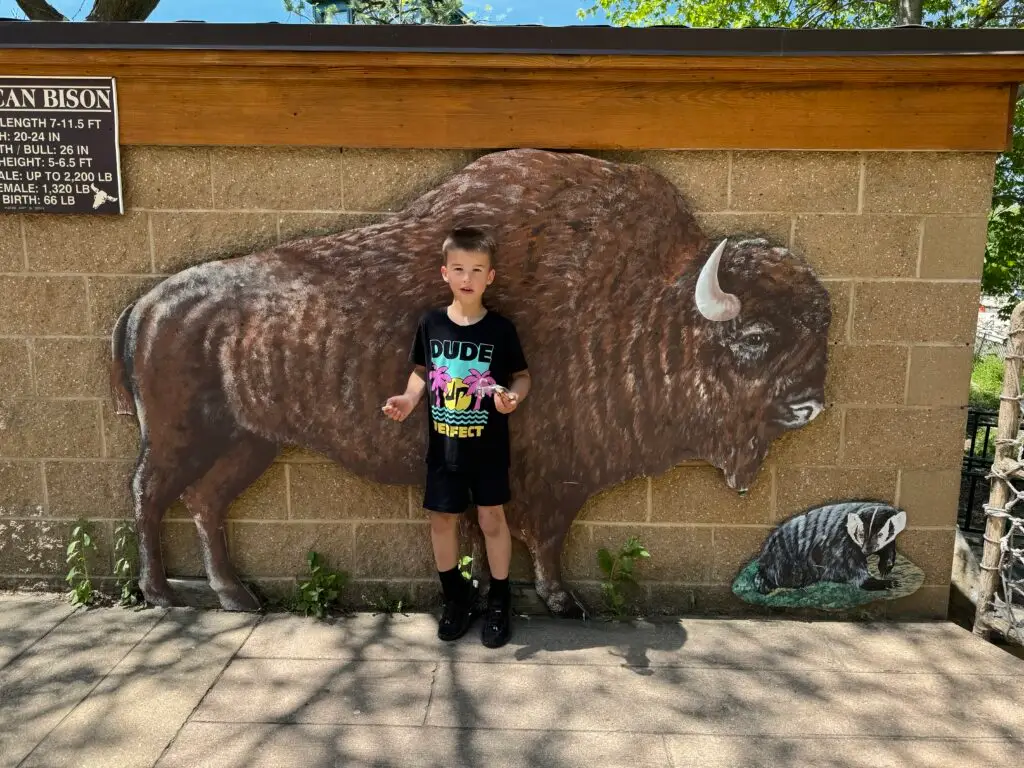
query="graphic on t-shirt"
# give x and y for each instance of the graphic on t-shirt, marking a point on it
(459, 379)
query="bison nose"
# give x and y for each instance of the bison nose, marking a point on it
(799, 413)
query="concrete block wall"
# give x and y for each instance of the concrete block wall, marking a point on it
(898, 239)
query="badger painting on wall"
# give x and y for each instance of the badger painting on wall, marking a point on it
(823, 558)
(650, 343)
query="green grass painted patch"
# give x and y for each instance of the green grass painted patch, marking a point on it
(829, 595)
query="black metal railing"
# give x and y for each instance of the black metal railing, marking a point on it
(979, 451)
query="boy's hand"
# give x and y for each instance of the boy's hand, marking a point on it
(506, 402)
(398, 407)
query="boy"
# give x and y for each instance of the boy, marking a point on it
(477, 375)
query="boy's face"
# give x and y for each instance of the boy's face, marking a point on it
(468, 273)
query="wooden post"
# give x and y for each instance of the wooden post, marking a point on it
(1005, 459)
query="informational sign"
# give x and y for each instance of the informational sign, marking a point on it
(59, 145)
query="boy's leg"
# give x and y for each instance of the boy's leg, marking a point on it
(497, 539)
(444, 538)
(444, 499)
(491, 493)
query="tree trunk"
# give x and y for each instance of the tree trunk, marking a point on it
(908, 12)
(102, 10)
(121, 10)
(40, 10)
(1005, 460)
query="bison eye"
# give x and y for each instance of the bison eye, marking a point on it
(752, 342)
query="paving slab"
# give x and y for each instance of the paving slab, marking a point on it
(543, 640)
(110, 687)
(313, 691)
(24, 619)
(138, 708)
(823, 703)
(40, 687)
(734, 752)
(939, 647)
(739, 644)
(207, 745)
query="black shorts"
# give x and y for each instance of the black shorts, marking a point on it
(452, 491)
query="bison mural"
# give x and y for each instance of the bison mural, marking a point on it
(649, 343)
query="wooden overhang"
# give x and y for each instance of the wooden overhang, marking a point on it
(488, 87)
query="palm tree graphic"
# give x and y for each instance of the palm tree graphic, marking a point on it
(478, 381)
(439, 379)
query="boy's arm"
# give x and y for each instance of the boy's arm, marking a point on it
(520, 385)
(400, 406)
(417, 384)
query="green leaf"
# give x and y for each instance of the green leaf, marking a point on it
(605, 560)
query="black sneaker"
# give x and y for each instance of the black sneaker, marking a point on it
(457, 616)
(496, 629)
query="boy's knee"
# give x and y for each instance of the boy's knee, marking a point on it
(491, 519)
(443, 522)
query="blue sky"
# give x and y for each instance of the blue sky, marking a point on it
(548, 12)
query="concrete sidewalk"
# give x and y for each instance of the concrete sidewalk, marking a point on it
(185, 688)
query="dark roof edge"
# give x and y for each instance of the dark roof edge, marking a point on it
(571, 40)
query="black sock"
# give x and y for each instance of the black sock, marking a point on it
(452, 584)
(500, 593)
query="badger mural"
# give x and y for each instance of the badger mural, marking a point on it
(649, 344)
(820, 558)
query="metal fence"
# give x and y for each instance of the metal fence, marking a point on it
(979, 452)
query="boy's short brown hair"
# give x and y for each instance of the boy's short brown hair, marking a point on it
(469, 239)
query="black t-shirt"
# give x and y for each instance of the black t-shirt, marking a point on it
(465, 430)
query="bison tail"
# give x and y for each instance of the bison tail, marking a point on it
(124, 401)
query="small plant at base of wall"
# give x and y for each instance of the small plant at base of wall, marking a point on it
(618, 574)
(465, 568)
(126, 554)
(79, 547)
(385, 602)
(320, 593)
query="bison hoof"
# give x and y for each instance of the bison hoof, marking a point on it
(236, 597)
(160, 595)
(565, 605)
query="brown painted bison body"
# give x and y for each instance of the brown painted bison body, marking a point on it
(646, 349)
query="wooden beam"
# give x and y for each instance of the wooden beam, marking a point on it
(599, 102)
(261, 64)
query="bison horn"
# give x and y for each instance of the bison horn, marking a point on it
(712, 302)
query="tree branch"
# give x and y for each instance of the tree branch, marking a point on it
(121, 10)
(990, 15)
(40, 10)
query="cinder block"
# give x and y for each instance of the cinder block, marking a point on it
(80, 243)
(167, 177)
(916, 312)
(929, 182)
(795, 182)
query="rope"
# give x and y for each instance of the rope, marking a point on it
(1010, 472)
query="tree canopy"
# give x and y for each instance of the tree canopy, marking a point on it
(384, 11)
(833, 14)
